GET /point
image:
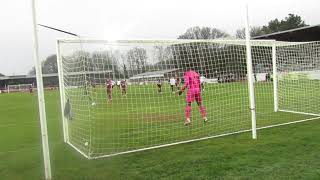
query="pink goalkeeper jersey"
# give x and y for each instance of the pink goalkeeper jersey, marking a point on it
(192, 81)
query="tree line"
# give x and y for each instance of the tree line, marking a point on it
(290, 22)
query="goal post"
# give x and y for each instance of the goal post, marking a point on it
(275, 77)
(40, 93)
(142, 118)
(62, 97)
(105, 118)
(250, 77)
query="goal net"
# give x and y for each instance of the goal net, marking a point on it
(19, 88)
(119, 97)
(298, 69)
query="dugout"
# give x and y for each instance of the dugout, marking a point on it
(52, 80)
(153, 76)
(49, 80)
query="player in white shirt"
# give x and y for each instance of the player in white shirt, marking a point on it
(113, 83)
(172, 82)
(202, 81)
(118, 84)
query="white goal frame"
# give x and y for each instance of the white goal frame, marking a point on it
(223, 41)
(269, 43)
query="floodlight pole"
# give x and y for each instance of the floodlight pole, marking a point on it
(250, 78)
(41, 101)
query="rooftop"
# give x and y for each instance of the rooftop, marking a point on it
(303, 34)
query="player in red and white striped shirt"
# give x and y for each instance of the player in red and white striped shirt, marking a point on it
(109, 90)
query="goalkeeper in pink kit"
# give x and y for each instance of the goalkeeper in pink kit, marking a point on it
(192, 83)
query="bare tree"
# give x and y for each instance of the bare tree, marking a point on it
(254, 31)
(137, 58)
(203, 33)
(49, 65)
(217, 33)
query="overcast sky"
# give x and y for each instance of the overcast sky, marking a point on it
(128, 19)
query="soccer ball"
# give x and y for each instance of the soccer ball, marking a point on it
(93, 104)
(86, 143)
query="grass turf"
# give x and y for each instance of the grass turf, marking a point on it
(145, 118)
(284, 152)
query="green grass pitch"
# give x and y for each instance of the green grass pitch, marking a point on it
(145, 118)
(288, 151)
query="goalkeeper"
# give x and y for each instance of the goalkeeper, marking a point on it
(192, 83)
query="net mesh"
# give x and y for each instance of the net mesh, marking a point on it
(299, 74)
(119, 98)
